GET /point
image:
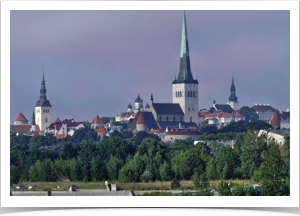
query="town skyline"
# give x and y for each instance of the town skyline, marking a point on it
(98, 71)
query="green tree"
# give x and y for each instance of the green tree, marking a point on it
(97, 168)
(211, 169)
(14, 174)
(113, 167)
(250, 114)
(116, 133)
(252, 149)
(272, 171)
(165, 171)
(212, 110)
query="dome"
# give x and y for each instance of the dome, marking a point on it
(138, 99)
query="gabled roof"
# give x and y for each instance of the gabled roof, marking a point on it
(167, 109)
(21, 117)
(60, 135)
(165, 124)
(101, 130)
(262, 108)
(16, 128)
(149, 118)
(286, 114)
(58, 120)
(141, 119)
(97, 120)
(222, 106)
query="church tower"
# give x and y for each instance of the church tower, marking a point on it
(43, 108)
(185, 87)
(233, 100)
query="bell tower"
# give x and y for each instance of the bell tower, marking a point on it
(185, 87)
(43, 108)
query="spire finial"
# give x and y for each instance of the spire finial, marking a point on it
(43, 71)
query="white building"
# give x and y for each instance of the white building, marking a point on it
(264, 111)
(276, 135)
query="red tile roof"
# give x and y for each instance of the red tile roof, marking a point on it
(16, 128)
(134, 114)
(275, 122)
(101, 130)
(141, 119)
(34, 133)
(60, 135)
(222, 126)
(97, 120)
(156, 131)
(263, 108)
(37, 128)
(58, 120)
(21, 117)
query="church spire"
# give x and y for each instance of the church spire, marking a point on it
(185, 74)
(232, 92)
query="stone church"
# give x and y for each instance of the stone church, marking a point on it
(185, 106)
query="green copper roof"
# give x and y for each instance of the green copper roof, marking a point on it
(184, 39)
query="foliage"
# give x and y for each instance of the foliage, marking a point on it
(106, 119)
(224, 188)
(250, 114)
(116, 133)
(212, 110)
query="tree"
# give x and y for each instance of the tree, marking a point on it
(210, 129)
(182, 145)
(211, 169)
(126, 133)
(113, 167)
(272, 173)
(97, 169)
(212, 110)
(106, 119)
(252, 150)
(165, 171)
(250, 114)
(116, 133)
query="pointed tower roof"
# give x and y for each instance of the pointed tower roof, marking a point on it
(129, 106)
(101, 129)
(21, 117)
(147, 106)
(97, 120)
(141, 119)
(138, 99)
(33, 119)
(232, 88)
(185, 74)
(57, 120)
(275, 122)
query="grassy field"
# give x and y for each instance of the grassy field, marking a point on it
(158, 185)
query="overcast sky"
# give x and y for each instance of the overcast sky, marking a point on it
(96, 61)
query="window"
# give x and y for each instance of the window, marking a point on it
(46, 119)
(191, 119)
(167, 118)
(159, 118)
(188, 93)
(193, 93)
(174, 118)
(189, 109)
(193, 109)
(176, 94)
(38, 120)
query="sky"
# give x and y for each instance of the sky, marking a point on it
(96, 61)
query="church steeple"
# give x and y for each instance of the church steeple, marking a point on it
(185, 74)
(43, 102)
(232, 97)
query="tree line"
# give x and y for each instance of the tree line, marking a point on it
(143, 158)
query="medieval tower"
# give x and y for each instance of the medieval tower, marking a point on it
(185, 87)
(43, 108)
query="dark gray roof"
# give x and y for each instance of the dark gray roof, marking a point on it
(165, 124)
(233, 97)
(147, 106)
(138, 99)
(129, 106)
(287, 114)
(280, 132)
(221, 106)
(167, 109)
(149, 118)
(43, 103)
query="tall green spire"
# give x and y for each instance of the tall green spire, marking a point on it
(185, 74)
(184, 39)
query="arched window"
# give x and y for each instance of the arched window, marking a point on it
(189, 109)
(174, 118)
(167, 118)
(176, 94)
(191, 119)
(193, 93)
(188, 93)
